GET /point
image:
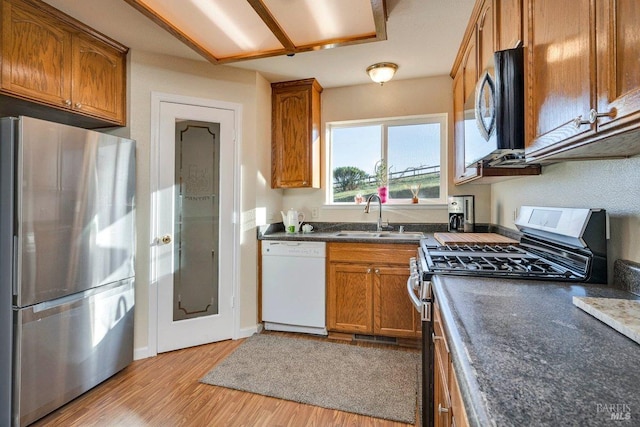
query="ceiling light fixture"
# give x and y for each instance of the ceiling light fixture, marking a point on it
(382, 72)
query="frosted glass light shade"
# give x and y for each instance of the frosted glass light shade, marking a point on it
(382, 72)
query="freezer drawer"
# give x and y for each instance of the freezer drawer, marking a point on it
(64, 347)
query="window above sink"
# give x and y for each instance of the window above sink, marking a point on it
(411, 149)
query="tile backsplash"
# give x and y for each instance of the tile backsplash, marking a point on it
(626, 276)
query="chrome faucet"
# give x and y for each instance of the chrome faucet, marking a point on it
(366, 210)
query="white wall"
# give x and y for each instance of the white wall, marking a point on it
(396, 98)
(150, 72)
(610, 184)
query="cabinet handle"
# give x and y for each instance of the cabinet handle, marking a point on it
(441, 409)
(304, 182)
(377, 271)
(593, 117)
(67, 102)
(368, 271)
(577, 122)
(78, 105)
(435, 337)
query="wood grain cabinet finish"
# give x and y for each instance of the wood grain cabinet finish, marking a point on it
(295, 142)
(49, 59)
(493, 23)
(583, 79)
(464, 83)
(350, 298)
(366, 290)
(98, 79)
(509, 23)
(448, 406)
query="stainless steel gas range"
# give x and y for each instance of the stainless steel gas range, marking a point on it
(558, 244)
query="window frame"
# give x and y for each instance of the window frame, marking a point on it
(441, 118)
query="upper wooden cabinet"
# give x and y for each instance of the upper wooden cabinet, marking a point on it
(98, 79)
(583, 79)
(494, 24)
(509, 23)
(485, 27)
(51, 60)
(464, 84)
(295, 144)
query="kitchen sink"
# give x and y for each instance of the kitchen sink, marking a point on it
(403, 235)
(379, 235)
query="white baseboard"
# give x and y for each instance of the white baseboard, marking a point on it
(141, 353)
(247, 332)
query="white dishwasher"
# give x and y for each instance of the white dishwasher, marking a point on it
(293, 286)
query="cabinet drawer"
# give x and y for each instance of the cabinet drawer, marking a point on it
(373, 253)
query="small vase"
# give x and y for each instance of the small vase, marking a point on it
(382, 193)
(414, 200)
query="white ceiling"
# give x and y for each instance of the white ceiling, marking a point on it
(423, 37)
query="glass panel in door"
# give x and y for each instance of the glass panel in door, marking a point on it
(197, 175)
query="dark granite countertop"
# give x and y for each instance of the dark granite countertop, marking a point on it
(524, 355)
(327, 232)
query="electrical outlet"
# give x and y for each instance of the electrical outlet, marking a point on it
(315, 212)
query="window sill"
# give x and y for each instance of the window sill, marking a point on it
(388, 206)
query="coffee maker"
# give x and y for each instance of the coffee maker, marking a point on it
(461, 214)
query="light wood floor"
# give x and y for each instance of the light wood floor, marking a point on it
(164, 391)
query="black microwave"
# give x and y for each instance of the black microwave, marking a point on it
(494, 113)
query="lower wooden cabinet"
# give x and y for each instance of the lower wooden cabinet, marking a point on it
(448, 406)
(350, 298)
(366, 290)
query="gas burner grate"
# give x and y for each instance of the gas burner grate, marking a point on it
(480, 248)
(498, 264)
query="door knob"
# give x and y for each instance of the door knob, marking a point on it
(166, 239)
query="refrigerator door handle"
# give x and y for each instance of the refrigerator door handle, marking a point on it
(16, 256)
(47, 305)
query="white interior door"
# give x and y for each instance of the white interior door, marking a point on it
(194, 225)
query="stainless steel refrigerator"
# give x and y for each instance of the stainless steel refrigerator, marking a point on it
(67, 241)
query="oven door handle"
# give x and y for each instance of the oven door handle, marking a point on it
(422, 306)
(414, 298)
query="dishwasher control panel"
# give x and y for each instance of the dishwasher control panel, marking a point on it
(293, 248)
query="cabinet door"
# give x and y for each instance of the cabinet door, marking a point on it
(441, 366)
(35, 55)
(291, 154)
(98, 79)
(509, 23)
(350, 298)
(458, 413)
(618, 65)
(442, 400)
(561, 73)
(464, 113)
(486, 43)
(394, 313)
